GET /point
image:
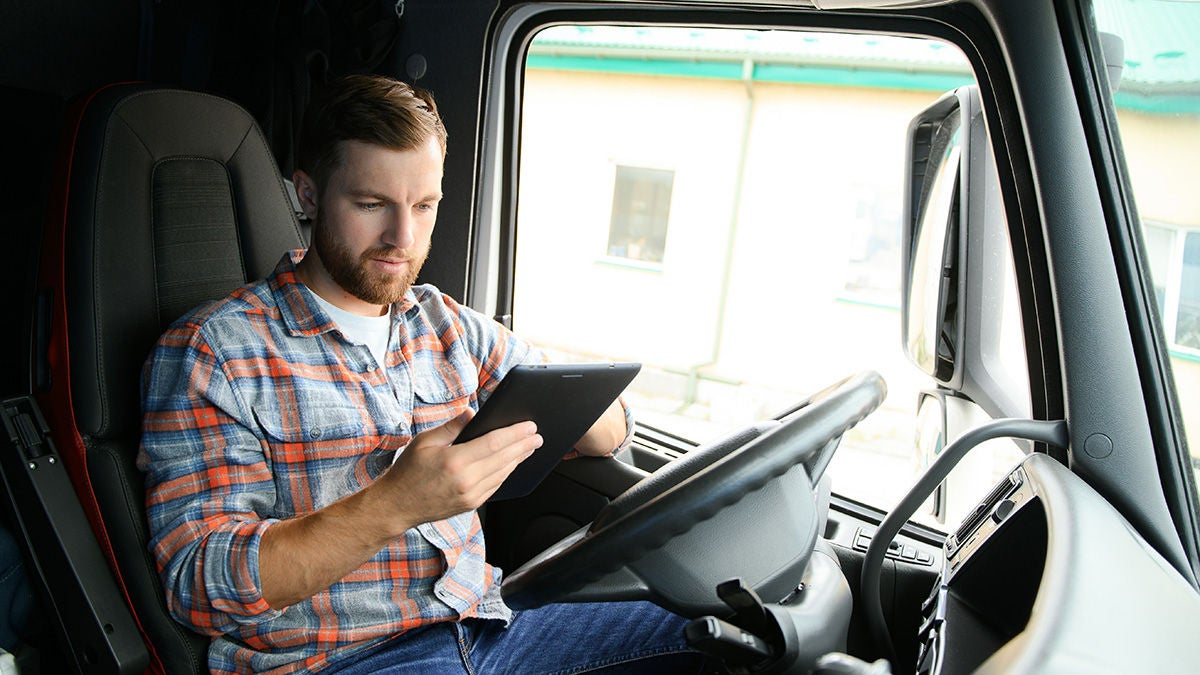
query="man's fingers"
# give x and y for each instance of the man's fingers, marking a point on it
(448, 432)
(506, 436)
(475, 479)
(495, 466)
(446, 478)
(498, 440)
(494, 440)
(501, 447)
(497, 478)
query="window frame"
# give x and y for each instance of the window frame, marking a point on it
(493, 242)
(1070, 227)
(1150, 341)
(490, 289)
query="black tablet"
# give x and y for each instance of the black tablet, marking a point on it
(564, 400)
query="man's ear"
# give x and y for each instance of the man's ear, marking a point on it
(306, 192)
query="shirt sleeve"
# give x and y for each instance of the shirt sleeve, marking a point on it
(207, 481)
(628, 440)
(494, 348)
(497, 349)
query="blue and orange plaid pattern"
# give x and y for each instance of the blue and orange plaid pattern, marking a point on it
(258, 409)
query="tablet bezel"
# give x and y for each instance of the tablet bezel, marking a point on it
(563, 399)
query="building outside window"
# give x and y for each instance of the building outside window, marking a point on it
(1174, 254)
(640, 210)
(777, 156)
(1187, 317)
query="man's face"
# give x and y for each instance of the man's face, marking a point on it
(372, 224)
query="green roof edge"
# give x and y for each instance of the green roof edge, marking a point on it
(819, 74)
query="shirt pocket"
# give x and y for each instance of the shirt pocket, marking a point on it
(319, 453)
(312, 422)
(445, 385)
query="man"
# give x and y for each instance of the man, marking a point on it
(309, 508)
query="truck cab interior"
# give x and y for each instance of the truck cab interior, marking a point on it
(915, 287)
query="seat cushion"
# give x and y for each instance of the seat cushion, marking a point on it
(165, 199)
(174, 199)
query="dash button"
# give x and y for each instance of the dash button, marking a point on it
(1003, 510)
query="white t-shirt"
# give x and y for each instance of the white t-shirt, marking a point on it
(372, 331)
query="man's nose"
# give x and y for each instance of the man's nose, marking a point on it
(399, 232)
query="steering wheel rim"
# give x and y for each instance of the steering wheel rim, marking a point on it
(620, 535)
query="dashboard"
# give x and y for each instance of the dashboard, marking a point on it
(1045, 576)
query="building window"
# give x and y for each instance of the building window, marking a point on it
(641, 206)
(1187, 318)
(1174, 255)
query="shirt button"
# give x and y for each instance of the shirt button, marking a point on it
(315, 432)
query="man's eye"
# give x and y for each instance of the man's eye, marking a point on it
(370, 206)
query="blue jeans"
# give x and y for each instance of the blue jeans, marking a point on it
(616, 637)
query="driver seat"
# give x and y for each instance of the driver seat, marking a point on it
(165, 199)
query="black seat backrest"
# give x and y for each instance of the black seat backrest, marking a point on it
(165, 199)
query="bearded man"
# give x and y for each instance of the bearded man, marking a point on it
(309, 508)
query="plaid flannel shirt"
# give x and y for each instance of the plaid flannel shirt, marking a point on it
(258, 409)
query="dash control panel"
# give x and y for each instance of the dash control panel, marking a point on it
(896, 550)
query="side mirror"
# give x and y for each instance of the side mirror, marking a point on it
(942, 418)
(933, 286)
(960, 311)
(930, 441)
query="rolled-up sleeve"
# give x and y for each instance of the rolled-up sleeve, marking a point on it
(496, 350)
(208, 480)
(493, 348)
(629, 422)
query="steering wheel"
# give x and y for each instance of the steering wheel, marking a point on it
(741, 507)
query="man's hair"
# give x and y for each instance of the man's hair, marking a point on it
(367, 108)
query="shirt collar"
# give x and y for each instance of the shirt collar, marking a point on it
(297, 307)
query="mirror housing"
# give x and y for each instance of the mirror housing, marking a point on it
(935, 203)
(957, 283)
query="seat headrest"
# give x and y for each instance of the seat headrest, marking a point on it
(173, 199)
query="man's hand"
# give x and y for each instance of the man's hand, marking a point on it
(432, 479)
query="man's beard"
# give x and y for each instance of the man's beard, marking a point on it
(355, 276)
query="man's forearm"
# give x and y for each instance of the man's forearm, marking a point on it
(432, 479)
(606, 434)
(303, 556)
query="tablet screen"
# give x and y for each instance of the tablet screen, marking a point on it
(564, 400)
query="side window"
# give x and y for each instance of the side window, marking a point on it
(724, 206)
(1158, 111)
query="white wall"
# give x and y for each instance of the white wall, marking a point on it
(806, 169)
(814, 153)
(577, 128)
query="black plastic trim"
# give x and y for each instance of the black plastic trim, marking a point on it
(1145, 325)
